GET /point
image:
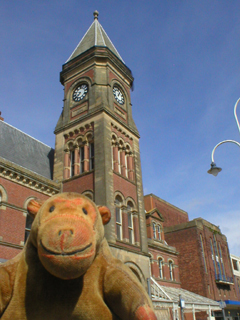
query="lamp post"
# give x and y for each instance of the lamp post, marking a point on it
(214, 170)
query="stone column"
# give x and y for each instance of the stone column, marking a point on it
(115, 158)
(86, 157)
(130, 167)
(103, 174)
(67, 164)
(136, 229)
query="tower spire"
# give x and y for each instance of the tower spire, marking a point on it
(95, 13)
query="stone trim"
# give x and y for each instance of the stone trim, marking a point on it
(27, 178)
(12, 245)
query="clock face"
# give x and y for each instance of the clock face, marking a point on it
(80, 92)
(118, 95)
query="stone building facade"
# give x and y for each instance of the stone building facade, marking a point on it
(97, 154)
(203, 256)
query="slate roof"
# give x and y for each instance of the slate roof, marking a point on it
(25, 151)
(95, 36)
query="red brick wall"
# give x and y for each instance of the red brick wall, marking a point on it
(12, 218)
(172, 215)
(191, 264)
(127, 188)
(79, 184)
(190, 259)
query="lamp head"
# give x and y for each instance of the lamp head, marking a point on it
(214, 170)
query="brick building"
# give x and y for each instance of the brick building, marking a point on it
(204, 259)
(235, 260)
(97, 154)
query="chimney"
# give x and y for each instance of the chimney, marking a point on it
(1, 119)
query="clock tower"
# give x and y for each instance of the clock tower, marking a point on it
(97, 143)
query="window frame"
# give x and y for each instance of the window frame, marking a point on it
(160, 267)
(118, 213)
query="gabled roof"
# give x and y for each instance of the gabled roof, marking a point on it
(25, 151)
(95, 36)
(151, 213)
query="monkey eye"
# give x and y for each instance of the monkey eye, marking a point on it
(51, 209)
(84, 211)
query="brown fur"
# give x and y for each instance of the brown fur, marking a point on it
(66, 270)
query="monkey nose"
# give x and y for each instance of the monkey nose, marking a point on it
(65, 233)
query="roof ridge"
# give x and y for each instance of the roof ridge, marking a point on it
(79, 42)
(91, 39)
(26, 134)
(99, 26)
(111, 42)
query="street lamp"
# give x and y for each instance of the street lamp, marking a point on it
(214, 170)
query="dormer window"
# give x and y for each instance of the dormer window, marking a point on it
(154, 231)
(159, 232)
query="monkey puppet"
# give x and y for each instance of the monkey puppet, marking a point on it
(66, 270)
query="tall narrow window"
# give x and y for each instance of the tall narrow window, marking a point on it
(29, 221)
(0, 196)
(81, 158)
(217, 257)
(221, 259)
(91, 156)
(126, 165)
(159, 232)
(160, 267)
(118, 213)
(130, 222)
(154, 231)
(214, 263)
(171, 269)
(203, 254)
(72, 161)
(119, 161)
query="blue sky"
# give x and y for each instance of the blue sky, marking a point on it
(185, 57)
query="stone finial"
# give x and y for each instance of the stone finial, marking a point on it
(95, 13)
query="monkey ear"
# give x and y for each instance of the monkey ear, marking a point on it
(105, 213)
(33, 207)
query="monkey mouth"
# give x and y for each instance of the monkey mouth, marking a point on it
(71, 253)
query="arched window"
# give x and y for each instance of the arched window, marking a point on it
(81, 158)
(160, 267)
(29, 221)
(119, 161)
(130, 222)
(118, 213)
(88, 194)
(3, 194)
(171, 269)
(154, 231)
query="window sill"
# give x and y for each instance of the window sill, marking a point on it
(78, 176)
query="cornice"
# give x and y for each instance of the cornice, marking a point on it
(161, 246)
(96, 52)
(27, 178)
(89, 117)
